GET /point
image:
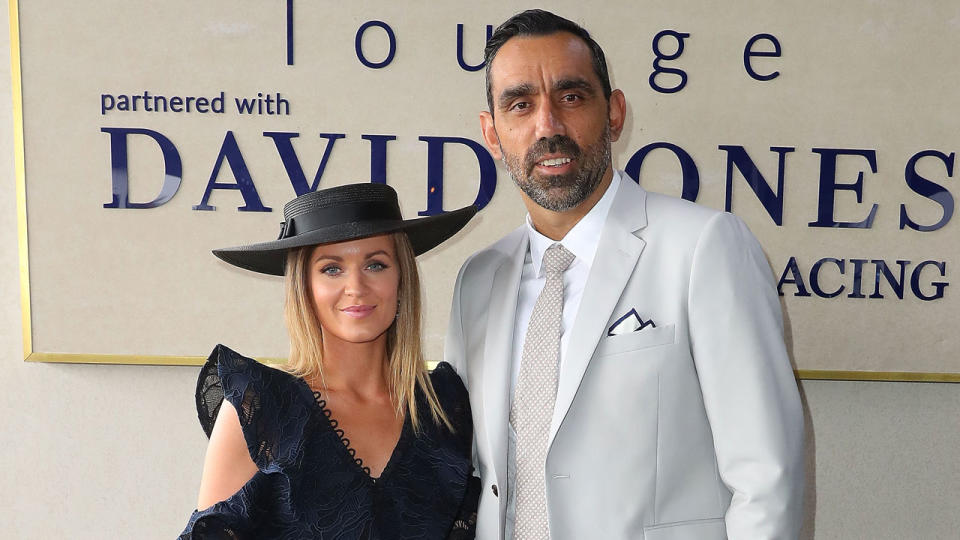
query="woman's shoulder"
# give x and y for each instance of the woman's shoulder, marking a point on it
(446, 383)
(225, 363)
(230, 362)
(229, 375)
(268, 401)
(453, 398)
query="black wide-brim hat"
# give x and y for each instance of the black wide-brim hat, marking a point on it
(344, 213)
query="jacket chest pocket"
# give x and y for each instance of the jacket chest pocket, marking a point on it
(635, 341)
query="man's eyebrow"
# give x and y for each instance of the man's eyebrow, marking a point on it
(513, 92)
(525, 89)
(574, 84)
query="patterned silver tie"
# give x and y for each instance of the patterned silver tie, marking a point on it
(535, 396)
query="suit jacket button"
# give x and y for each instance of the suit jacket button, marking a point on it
(494, 489)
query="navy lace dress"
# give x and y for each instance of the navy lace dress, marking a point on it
(310, 484)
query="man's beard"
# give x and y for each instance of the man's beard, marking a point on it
(560, 192)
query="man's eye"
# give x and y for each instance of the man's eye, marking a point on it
(331, 270)
(519, 106)
(570, 98)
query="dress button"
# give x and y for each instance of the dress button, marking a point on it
(494, 489)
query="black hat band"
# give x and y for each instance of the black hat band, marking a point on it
(342, 213)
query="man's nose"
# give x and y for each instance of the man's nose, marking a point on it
(549, 123)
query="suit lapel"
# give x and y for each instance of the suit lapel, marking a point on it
(617, 253)
(498, 350)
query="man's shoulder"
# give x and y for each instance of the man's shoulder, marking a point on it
(494, 254)
(685, 224)
(479, 270)
(670, 209)
(677, 225)
(666, 214)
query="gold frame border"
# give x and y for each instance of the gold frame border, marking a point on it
(887, 376)
(16, 86)
(30, 355)
(802, 374)
(127, 359)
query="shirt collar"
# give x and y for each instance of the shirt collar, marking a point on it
(581, 240)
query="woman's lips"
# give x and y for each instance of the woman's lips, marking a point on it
(358, 312)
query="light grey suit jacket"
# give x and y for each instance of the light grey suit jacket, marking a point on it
(689, 430)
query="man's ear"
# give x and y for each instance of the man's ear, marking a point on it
(617, 111)
(490, 137)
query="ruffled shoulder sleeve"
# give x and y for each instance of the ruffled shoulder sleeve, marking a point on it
(270, 403)
(456, 404)
(455, 401)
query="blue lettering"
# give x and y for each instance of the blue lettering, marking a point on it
(884, 270)
(230, 152)
(291, 163)
(463, 64)
(488, 173)
(857, 278)
(691, 177)
(660, 56)
(815, 277)
(358, 44)
(378, 156)
(748, 53)
(829, 187)
(107, 102)
(928, 189)
(172, 168)
(269, 104)
(289, 32)
(938, 285)
(772, 202)
(795, 278)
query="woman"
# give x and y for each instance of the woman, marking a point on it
(353, 437)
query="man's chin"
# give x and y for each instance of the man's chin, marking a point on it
(554, 182)
(557, 199)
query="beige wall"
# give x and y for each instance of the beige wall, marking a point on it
(89, 451)
(862, 74)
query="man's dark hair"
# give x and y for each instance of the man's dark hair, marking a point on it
(537, 22)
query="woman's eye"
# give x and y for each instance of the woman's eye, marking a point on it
(377, 266)
(331, 270)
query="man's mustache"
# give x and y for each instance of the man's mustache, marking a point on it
(556, 144)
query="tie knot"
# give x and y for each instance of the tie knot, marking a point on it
(556, 259)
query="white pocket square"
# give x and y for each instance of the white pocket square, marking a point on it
(631, 322)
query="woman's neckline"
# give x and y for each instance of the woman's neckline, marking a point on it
(350, 453)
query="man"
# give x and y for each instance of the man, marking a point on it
(631, 382)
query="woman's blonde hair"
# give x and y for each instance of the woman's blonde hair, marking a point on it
(406, 371)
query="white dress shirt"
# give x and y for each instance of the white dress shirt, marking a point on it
(581, 240)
